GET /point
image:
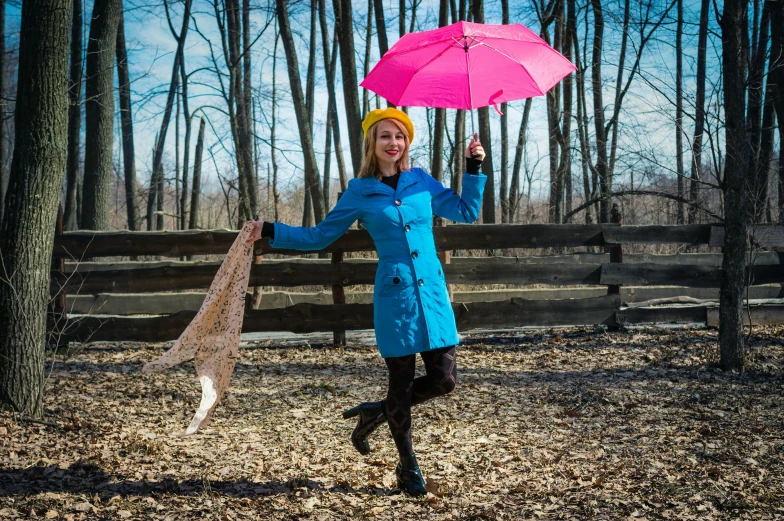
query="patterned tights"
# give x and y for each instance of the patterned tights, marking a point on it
(405, 390)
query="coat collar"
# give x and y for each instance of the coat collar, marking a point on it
(371, 185)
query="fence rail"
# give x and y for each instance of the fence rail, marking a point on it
(457, 237)
(615, 270)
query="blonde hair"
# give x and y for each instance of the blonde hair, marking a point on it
(369, 166)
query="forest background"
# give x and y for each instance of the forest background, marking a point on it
(654, 67)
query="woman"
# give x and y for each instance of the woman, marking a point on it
(412, 311)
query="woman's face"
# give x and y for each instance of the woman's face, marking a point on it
(390, 143)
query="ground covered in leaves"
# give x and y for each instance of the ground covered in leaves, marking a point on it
(552, 424)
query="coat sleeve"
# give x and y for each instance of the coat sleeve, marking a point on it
(338, 220)
(447, 204)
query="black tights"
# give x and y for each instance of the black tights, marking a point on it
(405, 390)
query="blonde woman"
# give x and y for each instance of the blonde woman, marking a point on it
(412, 311)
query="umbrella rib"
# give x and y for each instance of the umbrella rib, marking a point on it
(407, 51)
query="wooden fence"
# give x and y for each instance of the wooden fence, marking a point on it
(614, 271)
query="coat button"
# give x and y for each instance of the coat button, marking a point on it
(396, 280)
(398, 202)
(407, 228)
(421, 282)
(414, 255)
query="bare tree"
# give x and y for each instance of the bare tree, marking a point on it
(504, 189)
(734, 23)
(2, 112)
(275, 193)
(757, 191)
(188, 120)
(437, 165)
(776, 71)
(155, 199)
(522, 138)
(381, 33)
(345, 30)
(74, 120)
(196, 191)
(488, 201)
(699, 113)
(126, 119)
(99, 114)
(305, 134)
(35, 181)
(679, 108)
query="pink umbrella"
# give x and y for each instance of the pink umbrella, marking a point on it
(466, 66)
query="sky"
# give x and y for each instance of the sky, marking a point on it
(646, 143)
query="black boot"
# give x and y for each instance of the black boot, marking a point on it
(371, 415)
(409, 477)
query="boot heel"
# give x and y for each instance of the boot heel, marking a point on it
(350, 413)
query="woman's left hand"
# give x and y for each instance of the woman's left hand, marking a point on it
(256, 233)
(475, 149)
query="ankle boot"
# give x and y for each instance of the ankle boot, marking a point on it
(409, 477)
(371, 415)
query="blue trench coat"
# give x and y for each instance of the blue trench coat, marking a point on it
(411, 308)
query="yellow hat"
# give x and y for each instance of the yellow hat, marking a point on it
(374, 116)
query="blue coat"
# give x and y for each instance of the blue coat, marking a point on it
(412, 312)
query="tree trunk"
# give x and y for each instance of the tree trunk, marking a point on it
(275, 194)
(437, 164)
(70, 221)
(186, 146)
(459, 159)
(126, 121)
(381, 32)
(488, 201)
(366, 61)
(679, 109)
(196, 193)
(514, 188)
(3, 158)
(731, 334)
(250, 172)
(699, 114)
(345, 28)
(99, 114)
(565, 133)
(330, 64)
(776, 70)
(305, 134)
(756, 191)
(35, 181)
(156, 181)
(598, 112)
(402, 18)
(241, 116)
(766, 149)
(504, 189)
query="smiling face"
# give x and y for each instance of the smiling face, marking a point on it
(390, 143)
(386, 144)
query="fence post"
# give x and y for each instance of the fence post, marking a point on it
(616, 256)
(615, 250)
(338, 296)
(57, 313)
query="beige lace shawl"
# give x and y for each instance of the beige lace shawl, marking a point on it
(212, 338)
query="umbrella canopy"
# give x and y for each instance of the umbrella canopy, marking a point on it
(466, 66)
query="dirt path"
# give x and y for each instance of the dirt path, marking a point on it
(557, 424)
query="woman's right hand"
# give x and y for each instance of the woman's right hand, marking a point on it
(256, 233)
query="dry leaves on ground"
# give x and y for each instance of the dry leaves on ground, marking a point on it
(556, 424)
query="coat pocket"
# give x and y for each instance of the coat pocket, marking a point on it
(391, 285)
